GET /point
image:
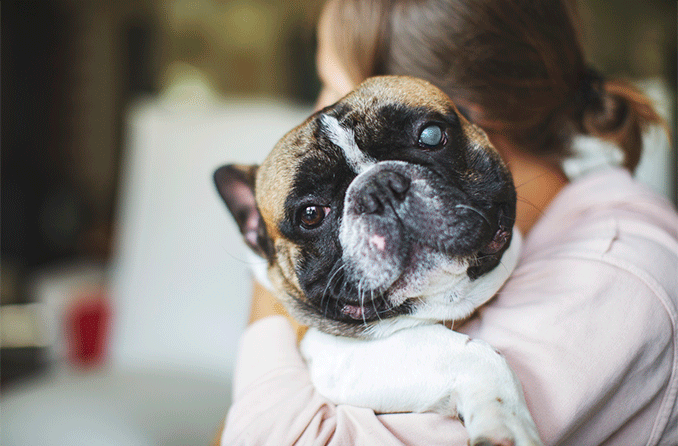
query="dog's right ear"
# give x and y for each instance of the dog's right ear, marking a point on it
(235, 184)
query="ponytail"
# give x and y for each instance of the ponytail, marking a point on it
(618, 112)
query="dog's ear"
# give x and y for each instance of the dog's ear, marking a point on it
(235, 184)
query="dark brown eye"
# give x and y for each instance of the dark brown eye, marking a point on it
(312, 216)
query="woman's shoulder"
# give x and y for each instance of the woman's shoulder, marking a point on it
(607, 228)
(599, 213)
(605, 254)
(602, 231)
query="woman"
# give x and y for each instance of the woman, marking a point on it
(588, 320)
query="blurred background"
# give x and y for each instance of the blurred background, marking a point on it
(123, 283)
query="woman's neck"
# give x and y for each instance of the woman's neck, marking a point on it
(537, 182)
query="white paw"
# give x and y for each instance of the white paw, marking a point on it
(497, 425)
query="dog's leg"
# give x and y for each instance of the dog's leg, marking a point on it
(425, 369)
(490, 399)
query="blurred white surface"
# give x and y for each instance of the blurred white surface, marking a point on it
(114, 407)
(181, 280)
(179, 285)
(658, 165)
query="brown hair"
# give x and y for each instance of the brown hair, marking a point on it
(514, 67)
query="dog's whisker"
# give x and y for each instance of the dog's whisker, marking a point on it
(325, 297)
(329, 282)
(374, 304)
(477, 211)
(537, 208)
(505, 267)
(518, 186)
(326, 305)
(361, 299)
(250, 260)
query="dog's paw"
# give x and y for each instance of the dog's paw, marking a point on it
(501, 426)
(506, 439)
(493, 442)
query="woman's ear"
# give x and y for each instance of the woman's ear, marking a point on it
(235, 184)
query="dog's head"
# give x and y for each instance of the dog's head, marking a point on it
(383, 210)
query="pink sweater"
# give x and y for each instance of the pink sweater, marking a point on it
(589, 322)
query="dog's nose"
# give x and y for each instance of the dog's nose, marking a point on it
(384, 187)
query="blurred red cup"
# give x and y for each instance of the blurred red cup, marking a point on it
(87, 324)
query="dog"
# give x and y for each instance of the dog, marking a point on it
(379, 217)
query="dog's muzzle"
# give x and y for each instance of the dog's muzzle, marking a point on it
(397, 214)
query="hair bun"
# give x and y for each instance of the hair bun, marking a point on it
(616, 111)
(590, 92)
(600, 111)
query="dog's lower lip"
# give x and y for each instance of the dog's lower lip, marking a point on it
(498, 241)
(353, 311)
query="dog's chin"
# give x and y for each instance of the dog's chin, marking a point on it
(427, 271)
(434, 288)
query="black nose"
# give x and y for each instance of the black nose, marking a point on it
(384, 188)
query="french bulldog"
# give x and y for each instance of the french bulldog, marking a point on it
(379, 217)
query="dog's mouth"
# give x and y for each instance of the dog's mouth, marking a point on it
(499, 240)
(490, 253)
(372, 310)
(368, 305)
(359, 312)
(499, 226)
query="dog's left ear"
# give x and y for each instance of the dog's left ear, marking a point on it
(235, 184)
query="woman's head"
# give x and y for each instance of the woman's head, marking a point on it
(515, 67)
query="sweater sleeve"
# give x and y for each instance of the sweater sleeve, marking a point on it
(275, 403)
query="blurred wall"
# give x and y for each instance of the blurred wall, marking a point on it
(70, 68)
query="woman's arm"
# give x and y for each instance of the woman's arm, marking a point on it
(265, 304)
(275, 403)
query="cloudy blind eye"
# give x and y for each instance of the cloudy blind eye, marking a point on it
(431, 136)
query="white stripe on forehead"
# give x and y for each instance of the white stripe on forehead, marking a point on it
(357, 160)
